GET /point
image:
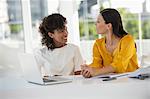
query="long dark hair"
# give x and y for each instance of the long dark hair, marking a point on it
(112, 16)
(50, 23)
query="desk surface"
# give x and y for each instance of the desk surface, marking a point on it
(15, 87)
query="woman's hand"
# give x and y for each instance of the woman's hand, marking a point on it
(77, 72)
(86, 71)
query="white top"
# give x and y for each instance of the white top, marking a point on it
(60, 61)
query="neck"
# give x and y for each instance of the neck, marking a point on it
(59, 45)
(111, 39)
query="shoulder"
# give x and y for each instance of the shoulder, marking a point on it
(40, 51)
(99, 41)
(127, 38)
(72, 46)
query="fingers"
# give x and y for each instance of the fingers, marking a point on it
(83, 68)
(86, 73)
(77, 72)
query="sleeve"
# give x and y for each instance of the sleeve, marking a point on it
(97, 59)
(78, 60)
(42, 63)
(126, 51)
(38, 57)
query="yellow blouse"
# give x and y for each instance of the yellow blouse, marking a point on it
(123, 59)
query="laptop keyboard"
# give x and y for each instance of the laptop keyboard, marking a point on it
(49, 80)
(54, 79)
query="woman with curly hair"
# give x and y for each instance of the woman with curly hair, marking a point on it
(57, 57)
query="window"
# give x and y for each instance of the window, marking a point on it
(11, 20)
(11, 33)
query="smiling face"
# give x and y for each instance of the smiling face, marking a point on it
(101, 26)
(59, 37)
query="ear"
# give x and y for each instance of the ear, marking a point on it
(50, 34)
(109, 26)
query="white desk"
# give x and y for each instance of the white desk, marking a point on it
(124, 88)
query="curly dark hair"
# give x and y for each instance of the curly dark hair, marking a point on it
(49, 24)
(112, 16)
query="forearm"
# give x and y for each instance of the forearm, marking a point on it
(104, 70)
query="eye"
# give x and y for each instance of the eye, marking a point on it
(97, 21)
(64, 30)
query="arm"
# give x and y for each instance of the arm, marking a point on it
(78, 60)
(97, 58)
(124, 54)
(42, 63)
(93, 71)
(39, 59)
(96, 65)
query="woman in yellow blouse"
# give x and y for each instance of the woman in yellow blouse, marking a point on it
(116, 51)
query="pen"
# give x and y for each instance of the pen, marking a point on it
(141, 76)
(109, 79)
(104, 77)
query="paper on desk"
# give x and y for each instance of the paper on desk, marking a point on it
(142, 70)
(111, 75)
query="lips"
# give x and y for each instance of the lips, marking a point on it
(65, 38)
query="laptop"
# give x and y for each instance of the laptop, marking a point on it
(32, 72)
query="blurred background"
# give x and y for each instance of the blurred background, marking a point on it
(20, 19)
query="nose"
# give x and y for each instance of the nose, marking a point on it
(66, 33)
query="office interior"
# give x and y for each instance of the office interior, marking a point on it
(19, 22)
